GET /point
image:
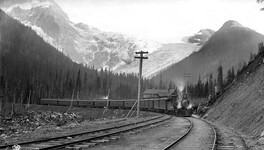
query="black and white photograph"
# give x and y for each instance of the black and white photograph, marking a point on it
(131, 74)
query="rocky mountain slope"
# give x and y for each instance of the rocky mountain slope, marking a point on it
(82, 43)
(241, 106)
(231, 45)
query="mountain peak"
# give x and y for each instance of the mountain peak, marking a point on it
(231, 24)
(200, 37)
(207, 32)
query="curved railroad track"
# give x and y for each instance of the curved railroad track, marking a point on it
(85, 138)
(181, 138)
(200, 135)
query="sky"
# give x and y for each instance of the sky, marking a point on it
(163, 20)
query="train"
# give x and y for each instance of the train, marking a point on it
(183, 107)
(168, 104)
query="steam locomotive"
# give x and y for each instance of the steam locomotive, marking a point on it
(182, 106)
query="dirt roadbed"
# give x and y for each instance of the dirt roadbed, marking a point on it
(154, 137)
(40, 122)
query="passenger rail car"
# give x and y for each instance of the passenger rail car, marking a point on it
(171, 104)
(163, 104)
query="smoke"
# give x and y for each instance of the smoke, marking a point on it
(180, 86)
(179, 106)
(190, 106)
(179, 100)
(179, 83)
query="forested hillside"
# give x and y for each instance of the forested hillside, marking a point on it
(31, 69)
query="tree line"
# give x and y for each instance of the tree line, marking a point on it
(214, 86)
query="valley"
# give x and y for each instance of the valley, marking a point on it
(71, 79)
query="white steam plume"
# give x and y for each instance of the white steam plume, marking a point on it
(179, 83)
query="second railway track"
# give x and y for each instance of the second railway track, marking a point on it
(85, 138)
(200, 135)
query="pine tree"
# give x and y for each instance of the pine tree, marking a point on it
(85, 87)
(78, 84)
(220, 78)
(98, 84)
(206, 89)
(2, 97)
(199, 88)
(66, 86)
(160, 82)
(211, 87)
(71, 88)
(229, 77)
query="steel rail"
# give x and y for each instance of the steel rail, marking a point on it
(181, 138)
(78, 134)
(102, 136)
(215, 134)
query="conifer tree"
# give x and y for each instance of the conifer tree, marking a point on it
(160, 82)
(220, 78)
(211, 84)
(78, 84)
(229, 77)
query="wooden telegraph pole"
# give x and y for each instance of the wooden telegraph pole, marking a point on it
(140, 57)
(186, 76)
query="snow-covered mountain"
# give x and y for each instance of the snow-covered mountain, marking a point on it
(82, 43)
(93, 47)
(168, 54)
(159, 60)
(200, 37)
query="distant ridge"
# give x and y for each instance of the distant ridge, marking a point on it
(231, 45)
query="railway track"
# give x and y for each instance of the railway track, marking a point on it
(225, 143)
(86, 139)
(194, 138)
(181, 138)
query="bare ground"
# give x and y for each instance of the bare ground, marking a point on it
(91, 119)
(201, 137)
(154, 138)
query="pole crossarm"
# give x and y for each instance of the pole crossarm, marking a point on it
(141, 52)
(140, 57)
